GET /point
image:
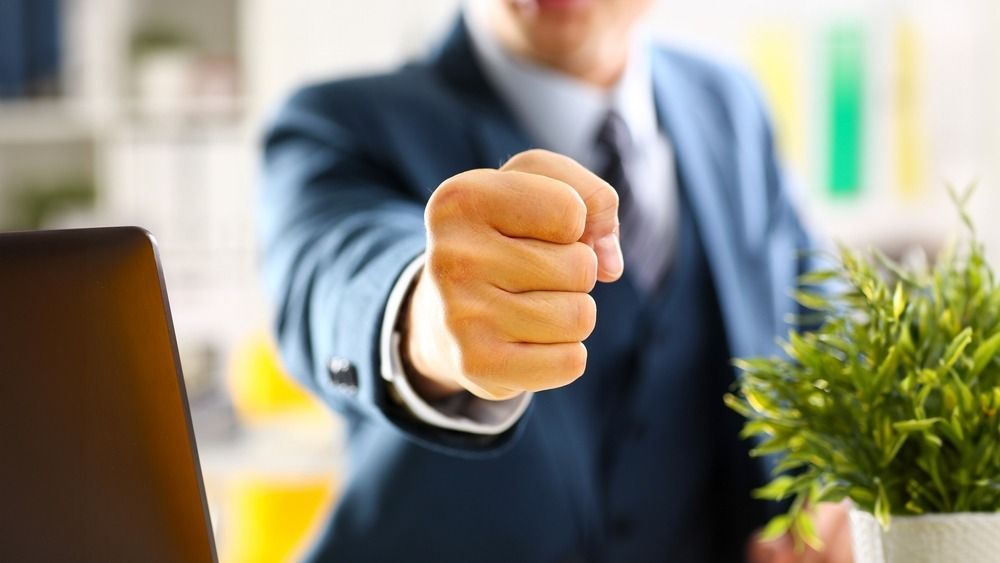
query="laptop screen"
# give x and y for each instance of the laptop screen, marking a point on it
(99, 461)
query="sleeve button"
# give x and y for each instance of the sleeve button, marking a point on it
(343, 374)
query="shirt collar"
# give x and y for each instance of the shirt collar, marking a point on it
(559, 112)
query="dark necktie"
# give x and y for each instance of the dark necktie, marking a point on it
(615, 143)
(645, 241)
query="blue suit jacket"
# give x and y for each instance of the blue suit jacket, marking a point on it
(349, 166)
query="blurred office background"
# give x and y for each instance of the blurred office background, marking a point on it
(149, 112)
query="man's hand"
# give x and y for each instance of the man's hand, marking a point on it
(502, 305)
(832, 527)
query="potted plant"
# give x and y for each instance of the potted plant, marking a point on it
(892, 403)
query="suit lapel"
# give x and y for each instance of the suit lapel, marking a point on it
(494, 130)
(677, 106)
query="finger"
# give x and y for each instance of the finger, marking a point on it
(785, 552)
(835, 530)
(531, 265)
(601, 200)
(546, 317)
(779, 550)
(517, 204)
(490, 391)
(838, 547)
(762, 552)
(513, 265)
(527, 367)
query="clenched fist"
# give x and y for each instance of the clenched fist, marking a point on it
(503, 305)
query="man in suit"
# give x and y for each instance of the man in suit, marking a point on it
(522, 381)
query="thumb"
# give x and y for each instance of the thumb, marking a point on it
(601, 230)
(607, 245)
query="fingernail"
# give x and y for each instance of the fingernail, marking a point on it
(609, 254)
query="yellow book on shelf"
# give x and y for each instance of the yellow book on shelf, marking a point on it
(908, 130)
(269, 519)
(774, 59)
(261, 390)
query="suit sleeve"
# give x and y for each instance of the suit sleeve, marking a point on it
(337, 227)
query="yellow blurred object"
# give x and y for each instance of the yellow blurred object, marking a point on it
(909, 138)
(268, 519)
(773, 58)
(279, 494)
(260, 388)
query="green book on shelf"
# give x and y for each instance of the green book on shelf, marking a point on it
(845, 113)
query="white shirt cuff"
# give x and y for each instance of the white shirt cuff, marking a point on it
(463, 412)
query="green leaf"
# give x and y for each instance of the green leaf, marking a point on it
(818, 277)
(932, 439)
(862, 496)
(898, 301)
(916, 425)
(755, 365)
(788, 464)
(830, 493)
(957, 346)
(811, 300)
(895, 268)
(882, 508)
(967, 401)
(772, 445)
(755, 427)
(888, 366)
(776, 527)
(953, 433)
(836, 342)
(759, 402)
(737, 405)
(897, 445)
(778, 489)
(806, 530)
(961, 202)
(984, 354)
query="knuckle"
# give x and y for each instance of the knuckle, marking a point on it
(571, 212)
(575, 362)
(466, 319)
(451, 198)
(477, 366)
(564, 366)
(568, 366)
(447, 192)
(583, 262)
(443, 262)
(603, 199)
(585, 315)
(529, 158)
(452, 262)
(472, 323)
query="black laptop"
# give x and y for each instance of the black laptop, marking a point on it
(97, 456)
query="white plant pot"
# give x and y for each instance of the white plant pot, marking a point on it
(964, 537)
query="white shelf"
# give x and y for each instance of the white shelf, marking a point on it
(59, 121)
(43, 122)
(306, 446)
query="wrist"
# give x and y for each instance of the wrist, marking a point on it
(420, 346)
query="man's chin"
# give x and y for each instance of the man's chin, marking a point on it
(559, 38)
(553, 6)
